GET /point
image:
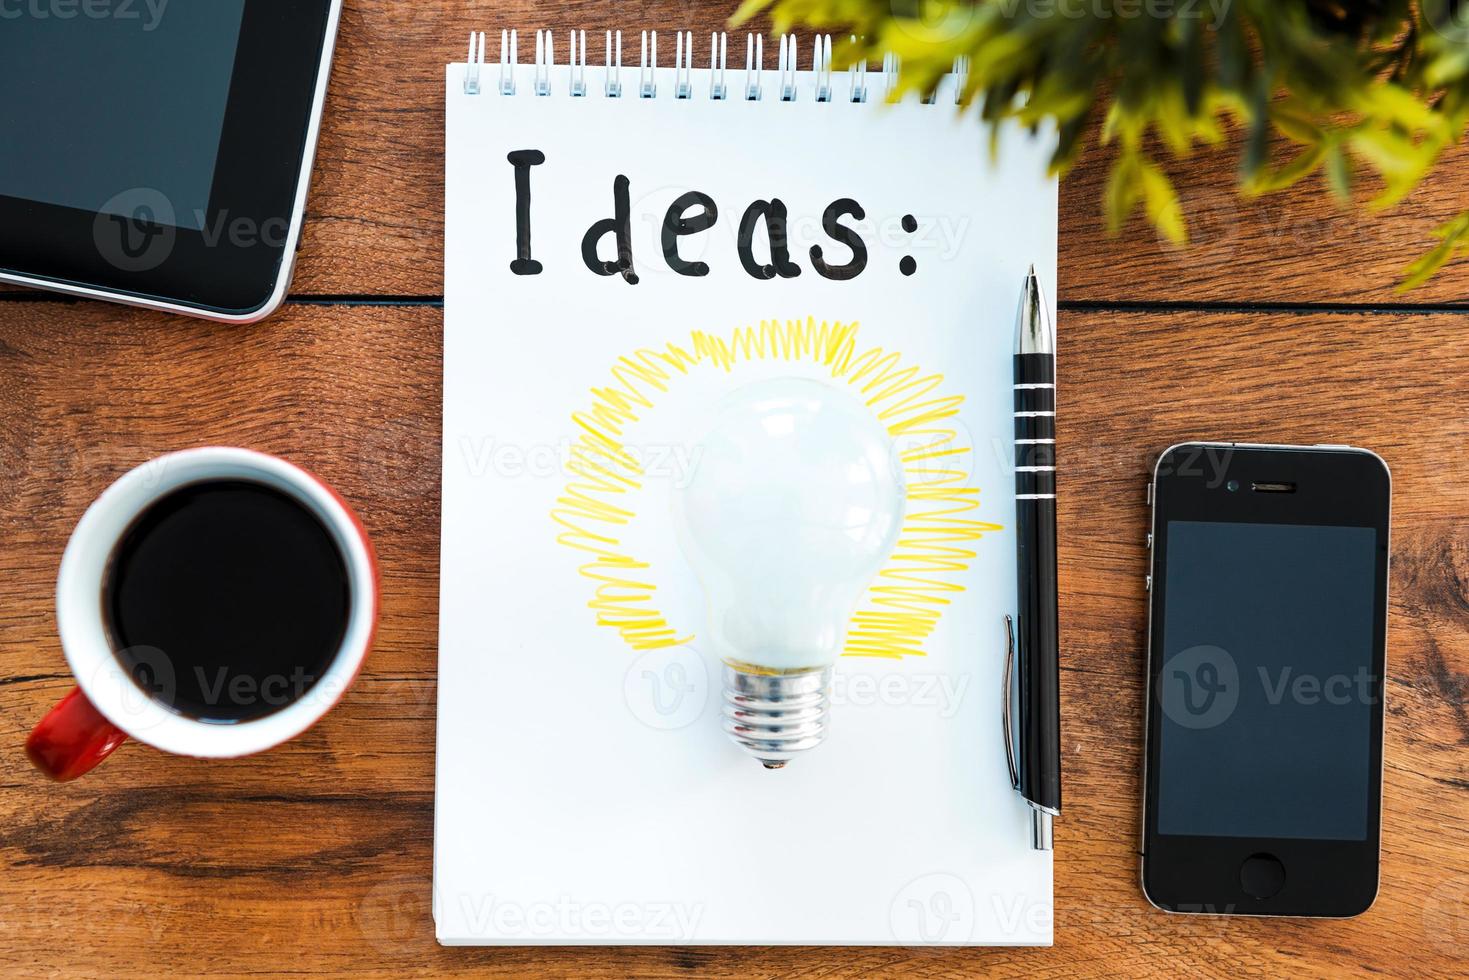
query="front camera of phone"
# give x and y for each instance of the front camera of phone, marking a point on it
(1232, 486)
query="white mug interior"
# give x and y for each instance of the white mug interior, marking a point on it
(87, 643)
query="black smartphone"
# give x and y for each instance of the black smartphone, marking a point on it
(1267, 637)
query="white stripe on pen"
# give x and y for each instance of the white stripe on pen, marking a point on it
(1031, 415)
(1029, 442)
(1029, 385)
(1035, 496)
(1035, 469)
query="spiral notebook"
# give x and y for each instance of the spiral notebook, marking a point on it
(625, 246)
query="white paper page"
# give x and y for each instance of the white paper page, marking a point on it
(585, 790)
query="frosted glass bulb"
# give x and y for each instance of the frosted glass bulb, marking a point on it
(795, 502)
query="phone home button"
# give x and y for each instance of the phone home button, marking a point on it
(1262, 875)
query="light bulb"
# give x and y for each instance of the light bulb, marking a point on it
(794, 503)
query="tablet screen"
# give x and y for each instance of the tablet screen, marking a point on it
(121, 104)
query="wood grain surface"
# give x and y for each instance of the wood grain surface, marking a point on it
(1280, 326)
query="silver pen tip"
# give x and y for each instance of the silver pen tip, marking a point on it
(1033, 322)
(1041, 831)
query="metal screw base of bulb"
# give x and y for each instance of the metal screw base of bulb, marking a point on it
(775, 717)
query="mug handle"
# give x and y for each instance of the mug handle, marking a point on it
(72, 738)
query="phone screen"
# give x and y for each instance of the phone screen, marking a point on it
(1267, 687)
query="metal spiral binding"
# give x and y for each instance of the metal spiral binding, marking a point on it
(683, 64)
(612, 75)
(891, 64)
(788, 87)
(578, 67)
(857, 76)
(718, 61)
(476, 58)
(821, 66)
(509, 59)
(647, 76)
(754, 65)
(787, 67)
(545, 58)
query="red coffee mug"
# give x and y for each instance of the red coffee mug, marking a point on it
(107, 707)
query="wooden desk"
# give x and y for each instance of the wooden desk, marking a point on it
(1279, 325)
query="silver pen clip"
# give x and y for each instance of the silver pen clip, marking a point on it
(1005, 709)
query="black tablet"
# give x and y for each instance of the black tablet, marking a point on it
(158, 152)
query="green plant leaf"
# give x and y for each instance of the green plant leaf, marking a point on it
(750, 9)
(1122, 192)
(1396, 106)
(1454, 237)
(1377, 84)
(1163, 206)
(1303, 164)
(1449, 66)
(1339, 173)
(1398, 160)
(1256, 145)
(1295, 123)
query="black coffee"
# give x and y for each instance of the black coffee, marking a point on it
(227, 600)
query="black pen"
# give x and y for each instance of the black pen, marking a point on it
(1038, 774)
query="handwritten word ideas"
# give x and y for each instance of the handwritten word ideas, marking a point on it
(607, 246)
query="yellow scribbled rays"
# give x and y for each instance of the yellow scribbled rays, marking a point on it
(908, 596)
